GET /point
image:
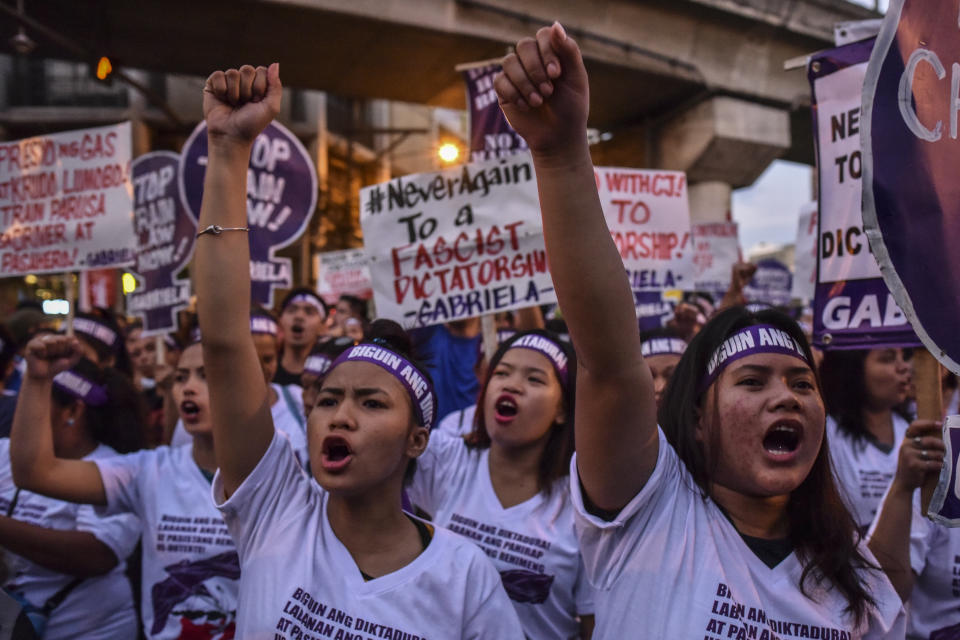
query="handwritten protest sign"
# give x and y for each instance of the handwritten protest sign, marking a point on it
(491, 136)
(166, 235)
(649, 219)
(65, 202)
(771, 284)
(343, 273)
(716, 248)
(805, 260)
(853, 308)
(281, 199)
(456, 244)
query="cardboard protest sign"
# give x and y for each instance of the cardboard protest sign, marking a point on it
(65, 202)
(343, 273)
(945, 505)
(281, 199)
(853, 309)
(805, 260)
(649, 218)
(456, 244)
(491, 136)
(911, 198)
(166, 235)
(716, 248)
(771, 284)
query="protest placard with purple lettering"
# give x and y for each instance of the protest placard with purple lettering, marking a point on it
(945, 504)
(344, 272)
(853, 309)
(281, 199)
(166, 235)
(456, 244)
(649, 218)
(716, 248)
(491, 136)
(65, 202)
(911, 198)
(772, 284)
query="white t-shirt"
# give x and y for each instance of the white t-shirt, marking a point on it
(288, 419)
(671, 565)
(190, 567)
(935, 558)
(863, 469)
(300, 582)
(458, 423)
(99, 607)
(532, 544)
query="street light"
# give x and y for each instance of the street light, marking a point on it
(448, 152)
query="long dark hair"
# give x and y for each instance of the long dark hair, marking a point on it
(555, 461)
(845, 390)
(119, 423)
(822, 531)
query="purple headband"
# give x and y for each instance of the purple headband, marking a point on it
(758, 338)
(195, 335)
(662, 347)
(547, 348)
(311, 300)
(95, 330)
(80, 387)
(317, 365)
(418, 387)
(263, 325)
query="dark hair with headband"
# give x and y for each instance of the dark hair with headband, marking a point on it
(101, 332)
(555, 461)
(822, 531)
(845, 390)
(113, 408)
(307, 292)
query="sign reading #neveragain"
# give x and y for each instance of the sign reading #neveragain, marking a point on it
(716, 248)
(65, 202)
(649, 219)
(911, 198)
(166, 235)
(281, 199)
(456, 244)
(344, 272)
(491, 136)
(852, 307)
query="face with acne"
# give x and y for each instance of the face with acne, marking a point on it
(361, 431)
(763, 422)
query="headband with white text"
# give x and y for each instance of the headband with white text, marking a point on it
(662, 346)
(80, 387)
(759, 338)
(547, 348)
(311, 300)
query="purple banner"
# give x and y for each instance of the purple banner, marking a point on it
(491, 136)
(911, 198)
(945, 504)
(771, 284)
(653, 312)
(281, 199)
(853, 308)
(165, 238)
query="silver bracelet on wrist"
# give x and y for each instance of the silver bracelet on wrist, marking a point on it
(216, 229)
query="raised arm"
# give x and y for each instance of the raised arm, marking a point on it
(544, 93)
(237, 105)
(33, 462)
(890, 536)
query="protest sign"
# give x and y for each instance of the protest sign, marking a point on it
(281, 198)
(456, 244)
(166, 235)
(911, 199)
(772, 284)
(491, 136)
(805, 254)
(65, 202)
(853, 309)
(649, 218)
(716, 248)
(945, 505)
(343, 273)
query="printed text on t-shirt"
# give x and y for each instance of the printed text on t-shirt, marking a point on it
(186, 534)
(307, 619)
(502, 544)
(731, 619)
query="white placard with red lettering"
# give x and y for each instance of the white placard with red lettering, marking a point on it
(456, 244)
(649, 218)
(716, 248)
(805, 256)
(66, 202)
(344, 272)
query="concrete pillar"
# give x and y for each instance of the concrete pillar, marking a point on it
(710, 201)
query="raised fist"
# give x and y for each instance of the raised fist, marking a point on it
(50, 353)
(239, 103)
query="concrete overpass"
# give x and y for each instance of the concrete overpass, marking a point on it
(696, 85)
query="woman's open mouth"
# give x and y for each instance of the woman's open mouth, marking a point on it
(335, 454)
(783, 438)
(189, 411)
(505, 409)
